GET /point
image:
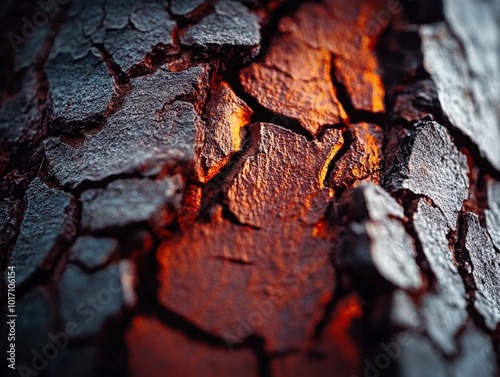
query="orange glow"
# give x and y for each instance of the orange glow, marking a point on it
(348, 310)
(324, 170)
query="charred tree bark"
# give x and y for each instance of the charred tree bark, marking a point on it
(260, 188)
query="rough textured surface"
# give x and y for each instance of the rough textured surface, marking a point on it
(93, 88)
(351, 42)
(335, 350)
(147, 337)
(152, 132)
(146, 30)
(128, 30)
(196, 186)
(131, 201)
(486, 270)
(10, 215)
(277, 161)
(276, 288)
(445, 309)
(464, 62)
(376, 244)
(429, 164)
(295, 85)
(47, 225)
(231, 31)
(362, 161)
(493, 213)
(227, 115)
(98, 40)
(299, 84)
(20, 120)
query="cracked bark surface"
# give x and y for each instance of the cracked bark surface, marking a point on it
(261, 188)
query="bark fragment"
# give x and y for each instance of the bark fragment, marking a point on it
(11, 212)
(294, 80)
(128, 30)
(186, 8)
(282, 177)
(93, 87)
(231, 32)
(477, 355)
(147, 30)
(131, 201)
(351, 42)
(414, 102)
(48, 225)
(21, 122)
(485, 269)
(420, 358)
(152, 132)
(376, 244)
(444, 309)
(404, 311)
(334, 351)
(242, 281)
(362, 161)
(493, 213)
(226, 116)
(463, 58)
(428, 163)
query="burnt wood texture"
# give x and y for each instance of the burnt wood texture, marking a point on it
(251, 188)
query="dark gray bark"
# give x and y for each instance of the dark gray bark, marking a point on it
(261, 188)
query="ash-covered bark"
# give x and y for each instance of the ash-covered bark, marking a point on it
(88, 80)
(420, 357)
(444, 308)
(47, 227)
(155, 130)
(376, 244)
(230, 32)
(11, 211)
(493, 212)
(485, 270)
(429, 164)
(125, 202)
(463, 59)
